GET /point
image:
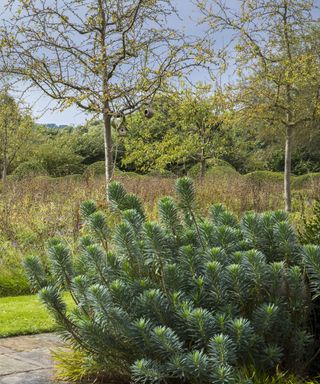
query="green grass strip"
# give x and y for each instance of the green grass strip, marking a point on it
(23, 315)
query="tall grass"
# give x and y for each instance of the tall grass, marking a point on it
(33, 210)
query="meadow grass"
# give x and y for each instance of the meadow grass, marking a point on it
(36, 209)
(33, 210)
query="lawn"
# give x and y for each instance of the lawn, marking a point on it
(22, 315)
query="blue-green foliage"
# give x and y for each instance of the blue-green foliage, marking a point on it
(187, 299)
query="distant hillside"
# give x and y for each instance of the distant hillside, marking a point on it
(55, 126)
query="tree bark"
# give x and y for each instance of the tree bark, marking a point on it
(289, 118)
(202, 152)
(105, 94)
(202, 165)
(4, 170)
(5, 154)
(108, 148)
(287, 169)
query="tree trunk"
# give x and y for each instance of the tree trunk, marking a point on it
(184, 167)
(289, 117)
(5, 154)
(108, 148)
(202, 168)
(202, 164)
(4, 170)
(287, 169)
(5, 158)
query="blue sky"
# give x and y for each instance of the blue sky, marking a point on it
(44, 109)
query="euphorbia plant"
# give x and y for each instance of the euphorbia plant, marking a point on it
(187, 299)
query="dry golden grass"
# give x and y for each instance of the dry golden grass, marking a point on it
(33, 210)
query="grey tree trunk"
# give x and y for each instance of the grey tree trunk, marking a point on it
(4, 171)
(108, 148)
(289, 117)
(5, 154)
(287, 169)
(202, 159)
(202, 167)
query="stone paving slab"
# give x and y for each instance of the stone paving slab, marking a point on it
(4, 350)
(27, 359)
(30, 342)
(40, 357)
(42, 376)
(10, 364)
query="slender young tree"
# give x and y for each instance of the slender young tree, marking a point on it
(108, 57)
(275, 62)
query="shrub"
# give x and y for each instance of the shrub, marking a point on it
(59, 158)
(259, 177)
(221, 171)
(13, 282)
(29, 169)
(306, 181)
(212, 166)
(161, 173)
(95, 169)
(98, 169)
(279, 377)
(186, 299)
(311, 228)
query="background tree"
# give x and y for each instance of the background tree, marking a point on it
(187, 129)
(15, 132)
(276, 63)
(157, 144)
(201, 113)
(107, 57)
(88, 141)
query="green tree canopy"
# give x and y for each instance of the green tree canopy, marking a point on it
(187, 128)
(277, 58)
